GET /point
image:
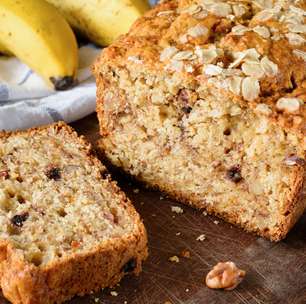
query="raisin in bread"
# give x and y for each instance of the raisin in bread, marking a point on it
(65, 228)
(205, 100)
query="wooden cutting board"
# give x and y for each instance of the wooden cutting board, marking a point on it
(276, 272)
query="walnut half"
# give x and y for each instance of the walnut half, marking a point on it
(224, 275)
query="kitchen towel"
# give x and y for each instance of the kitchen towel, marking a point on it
(26, 101)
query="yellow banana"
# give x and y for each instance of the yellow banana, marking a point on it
(102, 21)
(4, 51)
(35, 32)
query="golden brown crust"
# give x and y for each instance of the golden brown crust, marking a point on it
(78, 273)
(280, 40)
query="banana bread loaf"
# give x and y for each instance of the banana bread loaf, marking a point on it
(205, 99)
(65, 228)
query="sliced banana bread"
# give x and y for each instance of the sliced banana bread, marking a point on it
(65, 228)
(205, 99)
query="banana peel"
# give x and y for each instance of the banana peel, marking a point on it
(102, 21)
(4, 51)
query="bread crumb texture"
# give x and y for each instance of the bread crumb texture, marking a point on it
(58, 210)
(206, 101)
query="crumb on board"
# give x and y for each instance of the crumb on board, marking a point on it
(216, 222)
(204, 213)
(136, 190)
(177, 209)
(161, 198)
(185, 253)
(167, 302)
(174, 259)
(114, 293)
(178, 234)
(201, 237)
(97, 300)
(187, 289)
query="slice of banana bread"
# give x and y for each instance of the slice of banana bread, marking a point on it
(65, 228)
(205, 99)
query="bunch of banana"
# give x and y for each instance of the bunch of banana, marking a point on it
(36, 33)
(102, 21)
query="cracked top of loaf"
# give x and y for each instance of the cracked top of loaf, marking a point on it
(253, 51)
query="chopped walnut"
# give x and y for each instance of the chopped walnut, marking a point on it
(294, 160)
(225, 275)
(4, 174)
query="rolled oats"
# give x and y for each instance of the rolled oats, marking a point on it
(263, 4)
(206, 55)
(268, 66)
(264, 15)
(262, 31)
(253, 69)
(297, 28)
(250, 88)
(200, 15)
(175, 65)
(183, 39)
(263, 108)
(197, 31)
(297, 11)
(164, 13)
(234, 84)
(240, 29)
(220, 9)
(301, 54)
(168, 53)
(184, 55)
(288, 104)
(249, 54)
(295, 39)
(212, 70)
(239, 10)
(192, 9)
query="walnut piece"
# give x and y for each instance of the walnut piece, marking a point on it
(224, 275)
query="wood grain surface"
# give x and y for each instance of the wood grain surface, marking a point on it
(276, 272)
